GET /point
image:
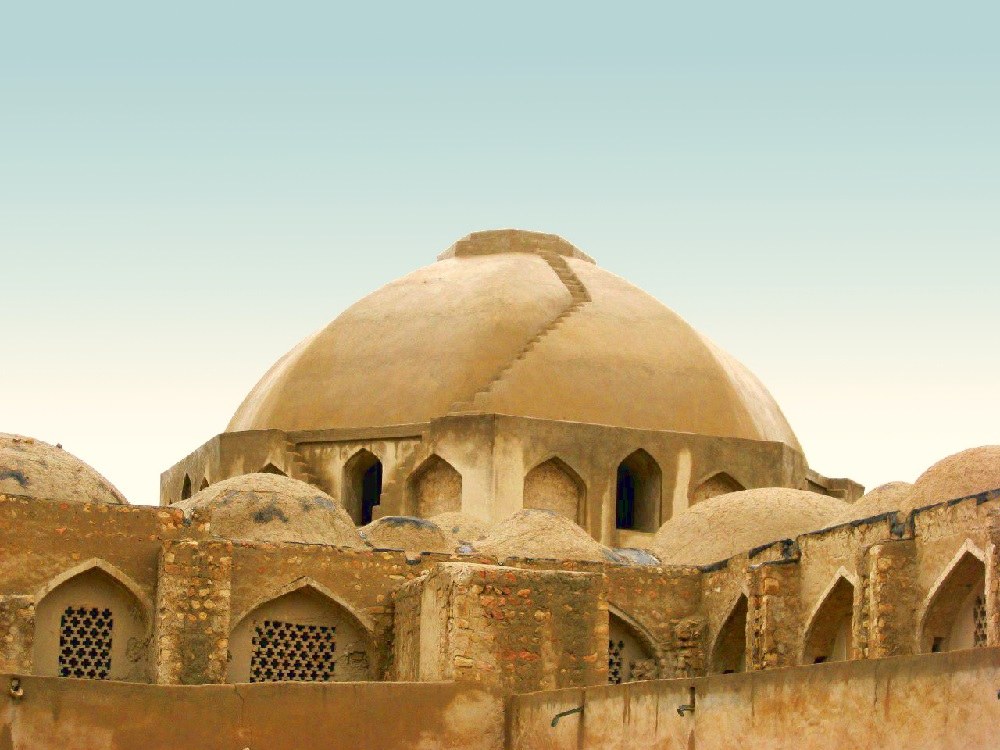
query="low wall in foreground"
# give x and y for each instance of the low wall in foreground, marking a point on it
(927, 702)
(62, 714)
(931, 701)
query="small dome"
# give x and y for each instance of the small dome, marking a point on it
(461, 528)
(33, 468)
(726, 525)
(543, 535)
(883, 499)
(273, 508)
(967, 473)
(406, 533)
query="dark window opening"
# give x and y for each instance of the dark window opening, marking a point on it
(625, 504)
(637, 493)
(186, 488)
(371, 491)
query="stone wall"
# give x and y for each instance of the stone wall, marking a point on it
(195, 590)
(506, 628)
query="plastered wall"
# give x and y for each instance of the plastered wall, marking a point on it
(56, 714)
(932, 702)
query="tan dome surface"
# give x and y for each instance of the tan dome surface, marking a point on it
(33, 468)
(461, 528)
(726, 525)
(418, 346)
(273, 508)
(407, 533)
(892, 496)
(543, 535)
(966, 473)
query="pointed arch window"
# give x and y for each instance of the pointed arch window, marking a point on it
(362, 486)
(955, 617)
(300, 636)
(637, 493)
(829, 636)
(729, 653)
(715, 485)
(434, 488)
(92, 627)
(553, 485)
(629, 658)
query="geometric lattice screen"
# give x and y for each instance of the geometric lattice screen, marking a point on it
(284, 651)
(85, 643)
(615, 655)
(979, 618)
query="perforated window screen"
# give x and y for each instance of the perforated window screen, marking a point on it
(285, 651)
(616, 651)
(85, 643)
(979, 617)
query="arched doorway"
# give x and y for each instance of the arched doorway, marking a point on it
(829, 635)
(270, 468)
(955, 617)
(186, 488)
(362, 486)
(91, 626)
(553, 485)
(637, 493)
(434, 488)
(300, 636)
(729, 652)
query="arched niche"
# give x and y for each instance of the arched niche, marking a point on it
(630, 658)
(270, 468)
(302, 635)
(553, 485)
(730, 649)
(204, 484)
(637, 493)
(362, 486)
(829, 634)
(435, 487)
(186, 487)
(715, 485)
(91, 625)
(955, 617)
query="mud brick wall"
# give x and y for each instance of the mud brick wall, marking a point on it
(773, 615)
(886, 622)
(17, 633)
(993, 580)
(511, 629)
(363, 581)
(665, 604)
(42, 539)
(193, 612)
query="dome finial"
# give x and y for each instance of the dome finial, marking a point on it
(497, 241)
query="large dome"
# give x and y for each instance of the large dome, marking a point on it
(532, 326)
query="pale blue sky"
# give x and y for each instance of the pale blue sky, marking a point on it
(186, 191)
